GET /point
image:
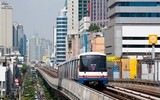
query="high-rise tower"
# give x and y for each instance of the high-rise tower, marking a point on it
(61, 33)
(6, 36)
(98, 12)
(76, 10)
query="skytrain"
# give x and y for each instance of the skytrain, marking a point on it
(86, 68)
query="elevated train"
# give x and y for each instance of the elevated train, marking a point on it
(86, 68)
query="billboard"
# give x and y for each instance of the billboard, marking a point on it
(113, 59)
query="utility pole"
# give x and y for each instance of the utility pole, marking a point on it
(153, 39)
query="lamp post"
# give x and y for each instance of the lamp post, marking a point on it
(153, 39)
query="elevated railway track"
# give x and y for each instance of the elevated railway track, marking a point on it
(127, 94)
(125, 89)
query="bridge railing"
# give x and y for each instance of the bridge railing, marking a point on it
(74, 90)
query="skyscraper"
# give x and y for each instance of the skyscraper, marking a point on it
(15, 36)
(76, 10)
(82, 8)
(129, 25)
(6, 36)
(98, 12)
(20, 33)
(61, 33)
(21, 40)
(39, 47)
(34, 48)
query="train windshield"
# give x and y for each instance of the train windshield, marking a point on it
(93, 63)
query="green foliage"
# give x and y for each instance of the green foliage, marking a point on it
(29, 90)
(93, 28)
(46, 91)
(24, 69)
(27, 98)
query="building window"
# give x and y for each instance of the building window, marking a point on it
(61, 49)
(61, 56)
(61, 18)
(61, 37)
(69, 45)
(60, 60)
(61, 45)
(139, 4)
(140, 46)
(61, 53)
(61, 22)
(61, 41)
(139, 14)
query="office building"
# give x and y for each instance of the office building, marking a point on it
(83, 27)
(34, 48)
(6, 35)
(82, 8)
(21, 40)
(129, 24)
(15, 37)
(61, 33)
(76, 10)
(39, 47)
(98, 12)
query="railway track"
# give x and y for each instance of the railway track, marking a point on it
(121, 92)
(50, 72)
(150, 90)
(136, 81)
(127, 94)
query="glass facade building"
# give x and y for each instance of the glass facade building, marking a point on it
(82, 8)
(61, 33)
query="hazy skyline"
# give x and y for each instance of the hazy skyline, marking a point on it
(37, 16)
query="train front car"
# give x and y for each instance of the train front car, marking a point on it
(92, 69)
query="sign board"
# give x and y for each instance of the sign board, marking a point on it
(113, 59)
(116, 75)
(17, 83)
(115, 68)
(153, 38)
(16, 80)
(20, 65)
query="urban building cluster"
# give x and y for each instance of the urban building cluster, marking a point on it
(124, 29)
(40, 49)
(12, 50)
(71, 36)
(16, 49)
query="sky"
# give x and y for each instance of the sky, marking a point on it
(37, 16)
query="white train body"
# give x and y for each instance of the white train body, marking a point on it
(87, 67)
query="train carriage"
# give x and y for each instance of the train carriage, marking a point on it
(86, 68)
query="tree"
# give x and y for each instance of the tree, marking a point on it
(93, 28)
(24, 69)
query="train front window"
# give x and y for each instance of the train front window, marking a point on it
(93, 63)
